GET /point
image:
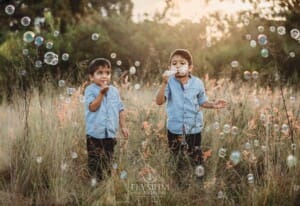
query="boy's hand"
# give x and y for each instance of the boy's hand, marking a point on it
(125, 132)
(166, 75)
(104, 89)
(220, 104)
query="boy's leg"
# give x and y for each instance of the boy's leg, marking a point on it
(108, 151)
(194, 148)
(94, 149)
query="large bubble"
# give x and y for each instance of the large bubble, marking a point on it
(95, 36)
(295, 34)
(51, 58)
(28, 36)
(10, 9)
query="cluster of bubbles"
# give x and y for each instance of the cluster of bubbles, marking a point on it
(248, 75)
(228, 129)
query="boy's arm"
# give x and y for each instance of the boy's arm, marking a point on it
(160, 97)
(122, 119)
(214, 105)
(94, 105)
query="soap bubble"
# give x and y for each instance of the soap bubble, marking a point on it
(221, 135)
(81, 99)
(50, 58)
(281, 30)
(199, 171)
(222, 152)
(226, 128)
(292, 99)
(248, 36)
(255, 75)
(276, 127)
(119, 62)
(247, 145)
(23, 72)
(250, 178)
(39, 159)
(10, 9)
(220, 195)
(295, 34)
(260, 28)
(264, 53)
(292, 54)
(132, 70)
(74, 155)
(291, 161)
(234, 64)
(272, 28)
(25, 52)
(56, 33)
(115, 166)
(95, 36)
(123, 174)
(262, 117)
(284, 128)
(63, 166)
(253, 43)
(49, 45)
(93, 182)
(247, 75)
(28, 36)
(137, 63)
(65, 56)
(235, 157)
(262, 39)
(39, 40)
(256, 143)
(38, 63)
(137, 86)
(216, 125)
(25, 21)
(61, 83)
(113, 55)
(293, 146)
(234, 130)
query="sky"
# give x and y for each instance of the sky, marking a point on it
(188, 9)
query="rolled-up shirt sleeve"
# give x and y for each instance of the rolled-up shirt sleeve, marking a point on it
(89, 96)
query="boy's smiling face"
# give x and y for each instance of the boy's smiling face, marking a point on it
(180, 65)
(101, 76)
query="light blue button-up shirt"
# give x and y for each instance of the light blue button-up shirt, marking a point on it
(183, 105)
(104, 122)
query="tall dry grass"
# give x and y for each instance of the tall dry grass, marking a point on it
(43, 157)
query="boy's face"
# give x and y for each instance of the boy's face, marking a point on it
(180, 65)
(101, 76)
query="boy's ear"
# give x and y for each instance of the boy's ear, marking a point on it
(91, 77)
(191, 68)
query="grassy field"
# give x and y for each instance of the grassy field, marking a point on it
(43, 151)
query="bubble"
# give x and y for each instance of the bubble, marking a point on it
(234, 64)
(25, 21)
(226, 128)
(199, 171)
(137, 63)
(23, 72)
(50, 58)
(25, 52)
(264, 53)
(49, 45)
(247, 75)
(248, 36)
(260, 28)
(256, 101)
(250, 178)
(117, 72)
(39, 159)
(61, 83)
(28, 36)
(253, 43)
(68, 100)
(292, 54)
(276, 127)
(123, 174)
(56, 33)
(222, 152)
(256, 143)
(220, 195)
(81, 99)
(281, 30)
(235, 157)
(221, 135)
(137, 86)
(93, 182)
(63, 166)
(234, 130)
(272, 28)
(246, 22)
(262, 117)
(284, 128)
(291, 161)
(292, 99)
(119, 63)
(74, 155)
(70, 91)
(293, 146)
(10, 9)
(65, 56)
(264, 148)
(255, 75)
(38, 63)
(295, 34)
(132, 70)
(262, 39)
(95, 36)
(216, 125)
(39, 40)
(247, 145)
(115, 166)
(113, 55)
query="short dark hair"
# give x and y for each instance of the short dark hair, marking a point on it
(184, 53)
(95, 63)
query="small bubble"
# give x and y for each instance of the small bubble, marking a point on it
(39, 40)
(38, 63)
(253, 43)
(262, 39)
(10, 9)
(276, 127)
(199, 171)
(293, 146)
(220, 195)
(292, 99)
(25, 52)
(25, 21)
(115, 166)
(264, 53)
(247, 75)
(132, 70)
(64, 166)
(281, 30)
(272, 28)
(256, 143)
(74, 155)
(234, 130)
(137, 63)
(292, 54)
(234, 64)
(65, 56)
(93, 182)
(67, 100)
(284, 128)
(235, 157)
(123, 174)
(61, 83)
(295, 33)
(50, 58)
(95, 36)
(222, 152)
(137, 86)
(248, 36)
(56, 33)
(39, 160)
(28, 36)
(250, 178)
(291, 161)
(260, 28)
(255, 75)
(247, 146)
(119, 62)
(216, 125)
(226, 128)
(113, 55)
(49, 45)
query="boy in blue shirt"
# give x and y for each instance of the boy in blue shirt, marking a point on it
(185, 95)
(104, 111)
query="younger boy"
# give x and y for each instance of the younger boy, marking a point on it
(104, 111)
(185, 95)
